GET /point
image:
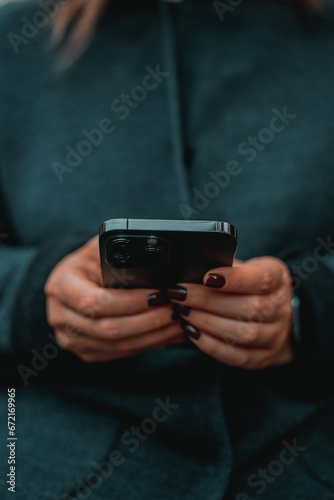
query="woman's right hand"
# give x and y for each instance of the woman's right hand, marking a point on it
(99, 324)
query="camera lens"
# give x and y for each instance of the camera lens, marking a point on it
(152, 255)
(120, 259)
(120, 252)
(120, 245)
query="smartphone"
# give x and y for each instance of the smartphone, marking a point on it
(159, 253)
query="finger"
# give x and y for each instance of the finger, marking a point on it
(92, 271)
(84, 345)
(235, 355)
(256, 276)
(87, 259)
(110, 328)
(84, 296)
(261, 308)
(245, 333)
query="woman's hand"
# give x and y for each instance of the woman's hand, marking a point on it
(243, 316)
(99, 324)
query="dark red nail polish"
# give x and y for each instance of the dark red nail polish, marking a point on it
(177, 293)
(157, 299)
(181, 309)
(192, 332)
(215, 281)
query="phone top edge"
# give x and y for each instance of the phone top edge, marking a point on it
(113, 225)
(165, 225)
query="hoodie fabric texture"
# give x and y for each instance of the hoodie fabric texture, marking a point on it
(196, 110)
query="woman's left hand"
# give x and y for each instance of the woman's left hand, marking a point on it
(243, 316)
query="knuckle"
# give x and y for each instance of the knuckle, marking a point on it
(72, 331)
(279, 297)
(50, 287)
(88, 305)
(254, 307)
(106, 329)
(102, 327)
(267, 281)
(102, 299)
(251, 333)
(113, 331)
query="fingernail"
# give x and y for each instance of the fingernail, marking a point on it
(215, 281)
(192, 332)
(157, 299)
(181, 309)
(177, 293)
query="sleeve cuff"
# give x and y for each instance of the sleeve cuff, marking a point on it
(309, 373)
(29, 326)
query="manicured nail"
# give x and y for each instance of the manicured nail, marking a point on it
(181, 309)
(192, 332)
(157, 299)
(215, 281)
(177, 293)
